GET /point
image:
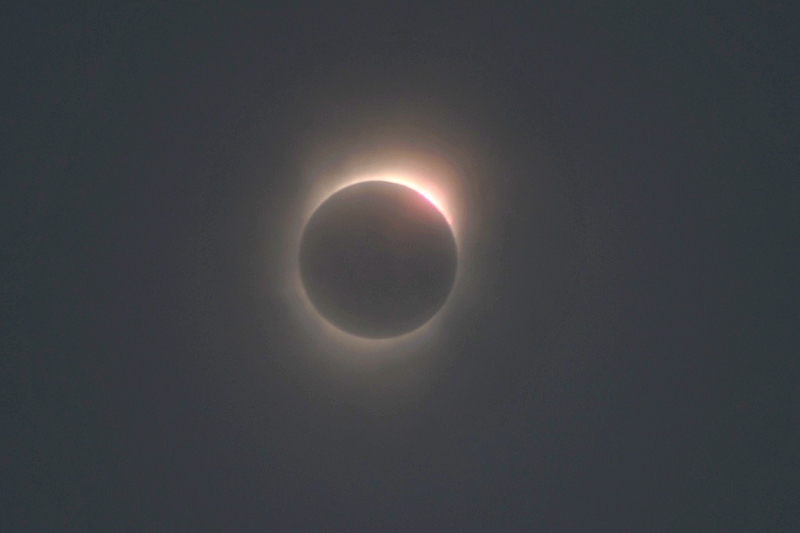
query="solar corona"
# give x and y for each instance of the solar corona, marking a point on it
(378, 259)
(378, 255)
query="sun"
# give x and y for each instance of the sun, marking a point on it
(433, 177)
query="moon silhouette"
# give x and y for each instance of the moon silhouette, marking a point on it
(378, 259)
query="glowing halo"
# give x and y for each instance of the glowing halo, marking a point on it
(433, 177)
(424, 185)
(426, 188)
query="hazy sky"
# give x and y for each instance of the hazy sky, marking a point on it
(623, 354)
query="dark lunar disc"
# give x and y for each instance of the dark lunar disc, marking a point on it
(377, 259)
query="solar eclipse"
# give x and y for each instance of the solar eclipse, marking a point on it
(378, 259)
(402, 282)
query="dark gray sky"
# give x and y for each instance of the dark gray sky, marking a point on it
(630, 362)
